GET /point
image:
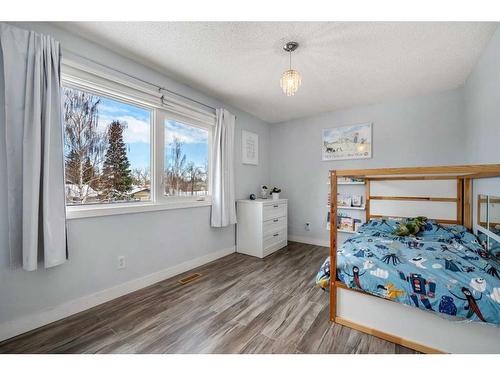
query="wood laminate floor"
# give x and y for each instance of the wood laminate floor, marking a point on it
(240, 304)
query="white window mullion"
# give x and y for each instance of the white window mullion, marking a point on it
(159, 156)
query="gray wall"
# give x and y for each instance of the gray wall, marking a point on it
(151, 241)
(419, 131)
(482, 120)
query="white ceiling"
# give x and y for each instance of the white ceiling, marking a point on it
(343, 64)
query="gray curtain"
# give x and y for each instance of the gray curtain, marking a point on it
(34, 148)
(222, 171)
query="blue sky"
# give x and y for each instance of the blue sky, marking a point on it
(194, 141)
(137, 134)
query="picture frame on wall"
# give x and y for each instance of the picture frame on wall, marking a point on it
(347, 142)
(249, 148)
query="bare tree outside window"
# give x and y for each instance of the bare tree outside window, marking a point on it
(85, 145)
(186, 160)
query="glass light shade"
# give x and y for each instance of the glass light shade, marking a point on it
(290, 82)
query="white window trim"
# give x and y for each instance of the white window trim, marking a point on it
(99, 210)
(118, 90)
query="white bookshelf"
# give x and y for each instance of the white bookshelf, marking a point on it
(346, 231)
(362, 208)
(348, 183)
(357, 211)
(351, 183)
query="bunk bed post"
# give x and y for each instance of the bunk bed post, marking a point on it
(367, 200)
(333, 245)
(460, 201)
(467, 222)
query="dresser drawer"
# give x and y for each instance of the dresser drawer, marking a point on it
(274, 225)
(274, 238)
(273, 210)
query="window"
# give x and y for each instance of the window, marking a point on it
(186, 160)
(124, 152)
(106, 149)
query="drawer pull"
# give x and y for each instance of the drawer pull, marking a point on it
(275, 206)
(276, 235)
(275, 220)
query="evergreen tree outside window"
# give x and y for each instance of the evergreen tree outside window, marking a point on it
(116, 179)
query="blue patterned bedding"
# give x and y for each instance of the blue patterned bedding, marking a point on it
(444, 269)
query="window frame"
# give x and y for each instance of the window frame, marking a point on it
(103, 86)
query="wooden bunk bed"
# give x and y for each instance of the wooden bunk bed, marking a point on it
(464, 175)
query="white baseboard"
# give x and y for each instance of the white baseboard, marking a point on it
(309, 240)
(27, 323)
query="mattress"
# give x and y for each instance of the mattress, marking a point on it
(444, 269)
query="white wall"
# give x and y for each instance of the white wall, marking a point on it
(151, 241)
(419, 131)
(482, 115)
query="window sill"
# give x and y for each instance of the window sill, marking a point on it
(80, 212)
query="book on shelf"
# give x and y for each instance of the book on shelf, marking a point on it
(357, 225)
(347, 223)
(357, 200)
(344, 200)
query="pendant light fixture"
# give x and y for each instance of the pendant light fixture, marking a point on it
(290, 79)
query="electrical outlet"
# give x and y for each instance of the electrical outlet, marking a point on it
(308, 226)
(121, 262)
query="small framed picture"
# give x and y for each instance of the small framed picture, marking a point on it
(249, 148)
(347, 142)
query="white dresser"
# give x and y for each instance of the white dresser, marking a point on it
(262, 226)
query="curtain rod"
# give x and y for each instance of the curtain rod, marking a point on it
(160, 88)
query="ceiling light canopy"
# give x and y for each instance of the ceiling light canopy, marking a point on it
(290, 79)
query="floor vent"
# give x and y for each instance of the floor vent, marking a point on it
(189, 278)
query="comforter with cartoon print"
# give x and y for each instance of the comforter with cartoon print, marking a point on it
(444, 269)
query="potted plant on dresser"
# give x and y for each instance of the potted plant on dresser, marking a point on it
(276, 193)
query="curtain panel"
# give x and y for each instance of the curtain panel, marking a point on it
(222, 171)
(34, 148)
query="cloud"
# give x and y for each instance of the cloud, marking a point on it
(137, 131)
(108, 108)
(186, 134)
(380, 273)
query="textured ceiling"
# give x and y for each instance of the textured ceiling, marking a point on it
(342, 63)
